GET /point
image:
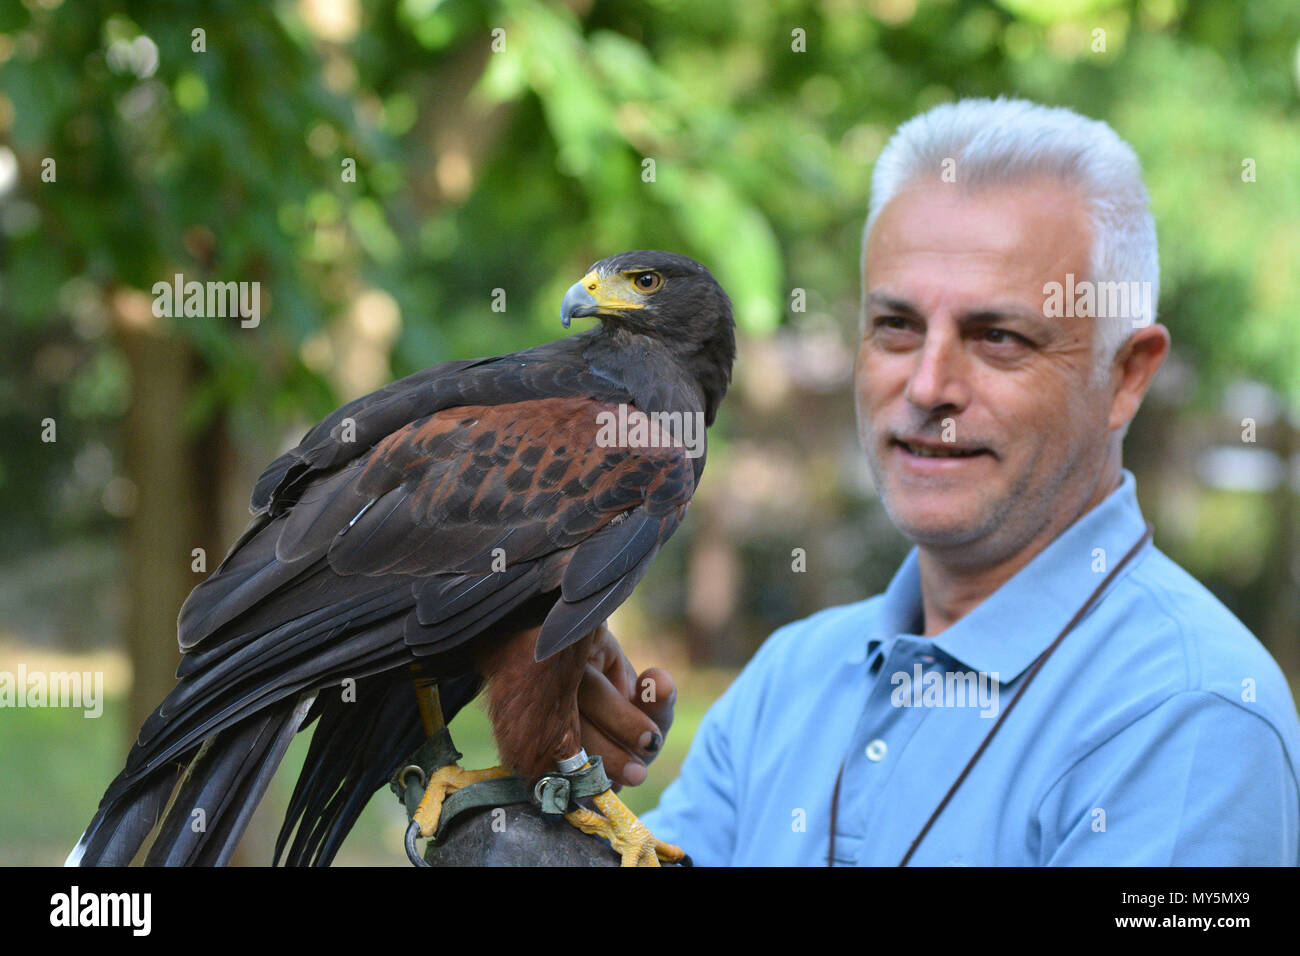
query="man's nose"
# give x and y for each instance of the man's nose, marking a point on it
(939, 376)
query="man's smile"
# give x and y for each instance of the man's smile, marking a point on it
(925, 456)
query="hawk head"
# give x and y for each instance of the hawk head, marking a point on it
(666, 297)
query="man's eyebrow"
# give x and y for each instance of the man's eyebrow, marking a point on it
(1001, 313)
(893, 305)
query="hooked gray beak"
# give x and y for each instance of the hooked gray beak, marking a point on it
(577, 301)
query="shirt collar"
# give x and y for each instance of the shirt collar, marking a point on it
(1011, 627)
(900, 612)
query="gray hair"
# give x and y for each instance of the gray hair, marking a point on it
(995, 142)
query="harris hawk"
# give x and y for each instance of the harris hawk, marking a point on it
(468, 527)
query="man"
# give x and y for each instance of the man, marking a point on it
(1158, 731)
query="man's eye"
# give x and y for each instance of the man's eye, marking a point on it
(1002, 336)
(898, 322)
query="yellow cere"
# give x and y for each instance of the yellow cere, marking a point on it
(606, 298)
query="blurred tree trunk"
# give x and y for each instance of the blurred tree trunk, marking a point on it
(165, 524)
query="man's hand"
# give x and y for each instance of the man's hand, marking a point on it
(625, 717)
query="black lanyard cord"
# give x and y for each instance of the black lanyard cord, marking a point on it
(1033, 671)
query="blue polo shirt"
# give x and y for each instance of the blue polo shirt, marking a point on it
(1159, 733)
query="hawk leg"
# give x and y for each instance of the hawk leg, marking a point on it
(445, 781)
(629, 837)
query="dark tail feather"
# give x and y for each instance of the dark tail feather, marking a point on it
(121, 825)
(223, 785)
(355, 749)
(225, 780)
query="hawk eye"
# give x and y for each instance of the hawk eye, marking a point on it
(647, 281)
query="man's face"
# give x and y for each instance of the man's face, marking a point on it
(978, 414)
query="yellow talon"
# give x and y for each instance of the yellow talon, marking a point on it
(629, 837)
(448, 780)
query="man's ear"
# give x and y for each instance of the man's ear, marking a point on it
(1132, 369)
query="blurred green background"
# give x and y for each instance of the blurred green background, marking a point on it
(504, 146)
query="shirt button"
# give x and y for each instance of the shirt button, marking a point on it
(876, 750)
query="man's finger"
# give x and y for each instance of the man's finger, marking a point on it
(609, 659)
(622, 721)
(620, 766)
(655, 696)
